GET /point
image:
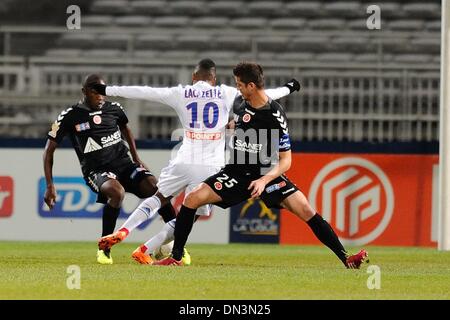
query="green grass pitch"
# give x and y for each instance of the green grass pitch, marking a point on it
(38, 270)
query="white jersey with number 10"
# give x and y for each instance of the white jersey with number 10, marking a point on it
(203, 111)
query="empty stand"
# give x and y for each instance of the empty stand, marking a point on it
(358, 84)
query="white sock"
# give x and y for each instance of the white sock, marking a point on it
(145, 211)
(164, 236)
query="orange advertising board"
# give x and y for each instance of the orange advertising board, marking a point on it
(374, 199)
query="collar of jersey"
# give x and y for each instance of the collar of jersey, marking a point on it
(265, 107)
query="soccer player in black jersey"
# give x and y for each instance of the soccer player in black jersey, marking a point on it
(98, 130)
(261, 136)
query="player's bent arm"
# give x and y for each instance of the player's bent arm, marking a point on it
(162, 95)
(50, 193)
(129, 138)
(277, 93)
(257, 186)
(288, 88)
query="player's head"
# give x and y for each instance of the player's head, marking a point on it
(249, 78)
(92, 98)
(205, 70)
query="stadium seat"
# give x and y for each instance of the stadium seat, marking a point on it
(266, 8)
(144, 54)
(210, 22)
(390, 9)
(360, 24)
(248, 23)
(227, 8)
(334, 57)
(193, 41)
(426, 45)
(230, 42)
(406, 25)
(77, 40)
(154, 8)
(171, 21)
(372, 58)
(110, 6)
(392, 44)
(217, 55)
(178, 54)
(272, 43)
(295, 56)
(310, 43)
(287, 23)
(154, 41)
(434, 26)
(327, 24)
(422, 10)
(304, 9)
(133, 21)
(97, 20)
(266, 56)
(103, 53)
(114, 40)
(70, 53)
(413, 58)
(191, 8)
(355, 44)
(347, 9)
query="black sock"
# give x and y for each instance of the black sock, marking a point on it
(167, 212)
(183, 226)
(325, 233)
(109, 219)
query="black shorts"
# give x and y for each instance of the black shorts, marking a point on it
(232, 187)
(129, 176)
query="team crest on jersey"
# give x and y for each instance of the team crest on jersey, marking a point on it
(246, 117)
(82, 126)
(218, 185)
(97, 119)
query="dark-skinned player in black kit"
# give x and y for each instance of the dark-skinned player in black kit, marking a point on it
(98, 131)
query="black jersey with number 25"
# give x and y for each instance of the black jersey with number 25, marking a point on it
(259, 135)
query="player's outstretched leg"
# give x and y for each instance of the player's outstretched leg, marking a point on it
(165, 236)
(146, 210)
(109, 218)
(183, 227)
(354, 261)
(114, 193)
(299, 205)
(105, 243)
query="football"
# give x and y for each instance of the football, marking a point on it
(163, 251)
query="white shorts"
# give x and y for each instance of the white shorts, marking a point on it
(178, 177)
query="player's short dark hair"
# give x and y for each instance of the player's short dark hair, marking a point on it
(205, 69)
(92, 79)
(250, 72)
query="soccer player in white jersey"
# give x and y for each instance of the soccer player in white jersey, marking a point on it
(203, 109)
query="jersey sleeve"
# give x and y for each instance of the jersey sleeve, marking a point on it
(122, 117)
(169, 96)
(231, 93)
(60, 126)
(277, 93)
(281, 124)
